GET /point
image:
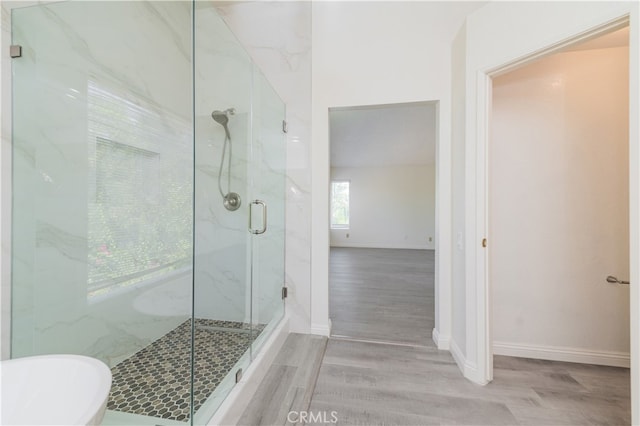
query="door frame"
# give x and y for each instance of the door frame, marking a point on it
(480, 224)
(442, 292)
(320, 241)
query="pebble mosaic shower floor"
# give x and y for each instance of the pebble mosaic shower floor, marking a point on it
(156, 380)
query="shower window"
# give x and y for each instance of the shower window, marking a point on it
(136, 186)
(340, 204)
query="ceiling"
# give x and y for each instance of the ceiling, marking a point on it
(383, 135)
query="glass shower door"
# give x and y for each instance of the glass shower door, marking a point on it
(268, 174)
(222, 269)
(239, 209)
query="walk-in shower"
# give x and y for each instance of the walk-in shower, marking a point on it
(231, 200)
(122, 249)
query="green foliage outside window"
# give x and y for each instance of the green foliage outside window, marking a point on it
(140, 193)
(340, 204)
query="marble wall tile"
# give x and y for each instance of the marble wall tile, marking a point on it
(80, 60)
(223, 76)
(277, 36)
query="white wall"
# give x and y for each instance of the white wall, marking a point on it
(371, 53)
(559, 208)
(499, 34)
(389, 207)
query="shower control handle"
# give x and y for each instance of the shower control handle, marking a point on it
(264, 217)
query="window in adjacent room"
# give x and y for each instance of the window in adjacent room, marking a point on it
(340, 204)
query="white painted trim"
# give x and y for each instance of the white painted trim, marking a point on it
(559, 353)
(444, 222)
(442, 342)
(320, 215)
(457, 355)
(483, 296)
(238, 399)
(468, 368)
(321, 330)
(634, 209)
(381, 246)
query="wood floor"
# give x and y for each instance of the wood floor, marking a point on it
(289, 382)
(381, 384)
(404, 383)
(382, 294)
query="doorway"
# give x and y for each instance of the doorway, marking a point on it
(382, 222)
(558, 214)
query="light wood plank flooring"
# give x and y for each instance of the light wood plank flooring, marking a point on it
(411, 382)
(380, 384)
(289, 382)
(382, 294)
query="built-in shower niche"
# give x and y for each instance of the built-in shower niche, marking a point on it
(123, 248)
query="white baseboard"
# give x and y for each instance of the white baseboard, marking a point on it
(469, 369)
(321, 330)
(458, 356)
(238, 399)
(442, 342)
(383, 246)
(557, 353)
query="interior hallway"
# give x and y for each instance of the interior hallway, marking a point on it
(367, 383)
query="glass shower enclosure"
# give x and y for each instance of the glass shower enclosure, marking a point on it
(148, 200)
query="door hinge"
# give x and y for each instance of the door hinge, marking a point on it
(285, 292)
(284, 126)
(15, 51)
(484, 242)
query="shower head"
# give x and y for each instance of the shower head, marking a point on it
(222, 117)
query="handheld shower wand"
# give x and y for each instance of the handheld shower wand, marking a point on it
(231, 200)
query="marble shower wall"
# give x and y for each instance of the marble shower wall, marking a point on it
(223, 76)
(277, 36)
(232, 267)
(92, 72)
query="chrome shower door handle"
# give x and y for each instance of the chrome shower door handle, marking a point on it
(264, 217)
